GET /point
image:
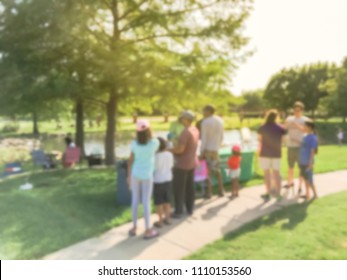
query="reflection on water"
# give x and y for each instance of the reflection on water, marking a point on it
(94, 142)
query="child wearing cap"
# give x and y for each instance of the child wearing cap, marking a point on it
(308, 150)
(140, 175)
(234, 164)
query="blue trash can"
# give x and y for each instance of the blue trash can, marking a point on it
(123, 194)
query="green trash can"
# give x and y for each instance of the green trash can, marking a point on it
(246, 165)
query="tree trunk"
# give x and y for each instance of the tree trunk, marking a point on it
(166, 118)
(135, 118)
(80, 126)
(35, 125)
(111, 107)
(111, 112)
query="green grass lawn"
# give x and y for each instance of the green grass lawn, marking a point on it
(316, 230)
(67, 206)
(63, 208)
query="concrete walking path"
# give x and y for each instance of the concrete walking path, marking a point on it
(211, 220)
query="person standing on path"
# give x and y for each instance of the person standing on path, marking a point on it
(234, 164)
(186, 159)
(295, 126)
(164, 163)
(308, 151)
(212, 132)
(140, 175)
(270, 137)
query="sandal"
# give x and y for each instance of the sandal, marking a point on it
(207, 196)
(288, 186)
(158, 224)
(152, 235)
(266, 197)
(132, 232)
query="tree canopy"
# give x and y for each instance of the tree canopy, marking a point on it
(118, 56)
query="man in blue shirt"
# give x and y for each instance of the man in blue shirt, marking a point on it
(308, 150)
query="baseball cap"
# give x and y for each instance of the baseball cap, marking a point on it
(142, 125)
(189, 115)
(236, 148)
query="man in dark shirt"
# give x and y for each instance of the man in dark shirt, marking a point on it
(270, 138)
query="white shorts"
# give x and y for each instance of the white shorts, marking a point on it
(235, 173)
(270, 163)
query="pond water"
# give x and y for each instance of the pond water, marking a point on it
(94, 142)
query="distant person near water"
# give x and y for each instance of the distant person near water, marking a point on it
(234, 164)
(340, 136)
(68, 140)
(308, 150)
(295, 127)
(270, 138)
(140, 175)
(212, 133)
(186, 159)
(164, 163)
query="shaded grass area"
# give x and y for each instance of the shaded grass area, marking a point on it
(68, 206)
(315, 230)
(64, 207)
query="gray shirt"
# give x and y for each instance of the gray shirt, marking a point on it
(295, 135)
(212, 131)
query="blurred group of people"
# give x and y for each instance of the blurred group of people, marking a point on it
(162, 168)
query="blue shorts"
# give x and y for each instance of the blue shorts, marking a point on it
(307, 175)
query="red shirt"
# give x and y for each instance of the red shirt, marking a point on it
(234, 162)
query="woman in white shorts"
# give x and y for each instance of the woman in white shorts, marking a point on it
(270, 137)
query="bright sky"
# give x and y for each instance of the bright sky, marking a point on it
(285, 33)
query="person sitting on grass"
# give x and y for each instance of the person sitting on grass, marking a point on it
(140, 175)
(234, 163)
(164, 163)
(309, 148)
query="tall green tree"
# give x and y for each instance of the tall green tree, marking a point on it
(133, 30)
(51, 58)
(304, 83)
(253, 101)
(335, 102)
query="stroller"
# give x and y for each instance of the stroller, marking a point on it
(201, 175)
